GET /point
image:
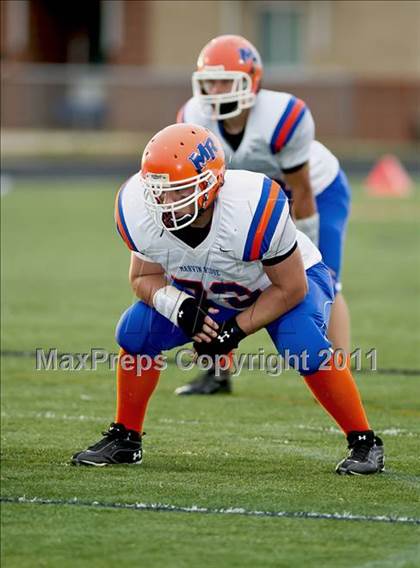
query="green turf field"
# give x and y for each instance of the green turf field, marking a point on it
(268, 447)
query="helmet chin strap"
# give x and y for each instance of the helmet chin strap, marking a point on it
(169, 223)
(187, 219)
(188, 216)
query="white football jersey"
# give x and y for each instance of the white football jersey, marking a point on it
(251, 222)
(279, 134)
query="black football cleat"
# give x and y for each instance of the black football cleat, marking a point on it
(208, 383)
(366, 455)
(118, 446)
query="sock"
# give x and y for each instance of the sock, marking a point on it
(133, 393)
(229, 365)
(337, 392)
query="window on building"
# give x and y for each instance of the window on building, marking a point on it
(281, 34)
(65, 32)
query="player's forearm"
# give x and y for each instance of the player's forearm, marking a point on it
(270, 305)
(145, 287)
(303, 203)
(303, 199)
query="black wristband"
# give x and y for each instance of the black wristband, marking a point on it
(228, 338)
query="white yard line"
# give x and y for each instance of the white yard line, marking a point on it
(51, 415)
(346, 516)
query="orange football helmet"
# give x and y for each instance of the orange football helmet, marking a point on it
(233, 59)
(183, 165)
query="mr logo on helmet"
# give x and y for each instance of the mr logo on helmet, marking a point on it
(247, 53)
(205, 153)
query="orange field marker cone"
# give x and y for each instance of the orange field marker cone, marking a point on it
(388, 178)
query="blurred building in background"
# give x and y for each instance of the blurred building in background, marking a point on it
(125, 65)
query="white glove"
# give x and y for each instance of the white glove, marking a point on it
(309, 226)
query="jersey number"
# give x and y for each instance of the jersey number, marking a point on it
(196, 289)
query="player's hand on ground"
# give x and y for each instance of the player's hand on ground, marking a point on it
(194, 320)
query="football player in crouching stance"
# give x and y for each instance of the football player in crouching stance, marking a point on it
(215, 256)
(272, 133)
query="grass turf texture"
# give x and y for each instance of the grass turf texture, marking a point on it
(268, 447)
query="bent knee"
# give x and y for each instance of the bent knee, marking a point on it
(129, 341)
(130, 331)
(310, 349)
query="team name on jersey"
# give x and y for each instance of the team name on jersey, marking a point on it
(199, 269)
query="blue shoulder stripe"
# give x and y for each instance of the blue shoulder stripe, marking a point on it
(256, 219)
(295, 125)
(280, 123)
(285, 131)
(272, 224)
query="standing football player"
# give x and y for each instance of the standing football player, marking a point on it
(215, 256)
(273, 133)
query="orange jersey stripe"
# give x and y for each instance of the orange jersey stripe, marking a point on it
(265, 218)
(287, 126)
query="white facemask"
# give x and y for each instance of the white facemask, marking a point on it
(211, 104)
(164, 214)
